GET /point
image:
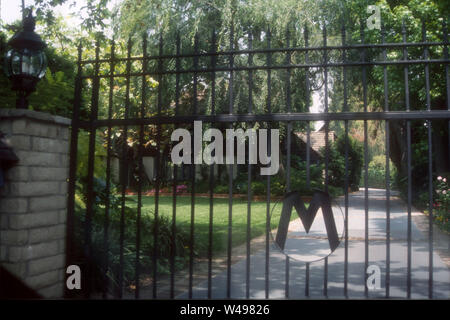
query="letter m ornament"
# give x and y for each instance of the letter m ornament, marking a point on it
(320, 199)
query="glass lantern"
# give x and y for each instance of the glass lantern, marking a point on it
(25, 62)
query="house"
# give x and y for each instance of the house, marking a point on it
(317, 140)
(184, 172)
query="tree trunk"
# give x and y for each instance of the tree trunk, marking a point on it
(440, 147)
(398, 147)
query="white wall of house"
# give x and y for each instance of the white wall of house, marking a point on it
(149, 166)
(115, 170)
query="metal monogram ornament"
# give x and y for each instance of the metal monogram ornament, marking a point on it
(302, 239)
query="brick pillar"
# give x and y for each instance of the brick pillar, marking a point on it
(33, 202)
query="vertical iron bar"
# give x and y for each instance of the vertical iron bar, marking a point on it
(325, 84)
(193, 172)
(308, 140)
(409, 159)
(175, 178)
(269, 111)
(346, 184)
(108, 171)
(430, 166)
(231, 64)
(307, 280)
(366, 167)
(249, 168)
(158, 172)
(308, 154)
(211, 170)
(90, 174)
(124, 170)
(73, 168)
(289, 130)
(141, 166)
(430, 204)
(388, 174)
(447, 79)
(288, 80)
(325, 61)
(230, 172)
(325, 277)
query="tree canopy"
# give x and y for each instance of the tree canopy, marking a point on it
(284, 22)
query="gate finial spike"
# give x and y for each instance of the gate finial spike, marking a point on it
(343, 35)
(444, 26)
(287, 34)
(403, 26)
(196, 37)
(79, 47)
(383, 32)
(444, 30)
(306, 34)
(144, 46)
(129, 43)
(361, 30)
(97, 47)
(424, 31)
(213, 36)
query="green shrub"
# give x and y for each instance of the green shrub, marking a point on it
(240, 184)
(277, 186)
(377, 173)
(336, 168)
(335, 191)
(220, 188)
(298, 178)
(147, 228)
(298, 169)
(202, 186)
(336, 165)
(259, 188)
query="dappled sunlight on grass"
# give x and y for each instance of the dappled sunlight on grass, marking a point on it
(220, 218)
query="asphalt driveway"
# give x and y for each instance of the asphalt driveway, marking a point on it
(356, 259)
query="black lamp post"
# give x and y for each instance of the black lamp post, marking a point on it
(25, 62)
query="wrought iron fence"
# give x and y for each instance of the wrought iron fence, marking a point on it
(161, 108)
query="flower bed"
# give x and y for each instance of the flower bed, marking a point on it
(441, 205)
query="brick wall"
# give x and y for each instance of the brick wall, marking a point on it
(33, 201)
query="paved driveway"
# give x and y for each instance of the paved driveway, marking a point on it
(356, 259)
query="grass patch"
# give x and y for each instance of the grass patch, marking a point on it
(220, 219)
(165, 243)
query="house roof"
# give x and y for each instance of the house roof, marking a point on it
(317, 139)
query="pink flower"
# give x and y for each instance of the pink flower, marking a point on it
(439, 178)
(181, 188)
(444, 192)
(445, 180)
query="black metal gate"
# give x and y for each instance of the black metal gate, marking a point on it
(170, 88)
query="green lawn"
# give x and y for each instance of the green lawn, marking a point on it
(220, 219)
